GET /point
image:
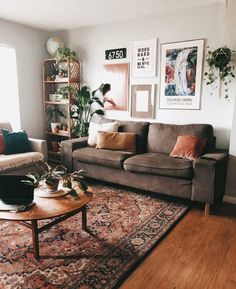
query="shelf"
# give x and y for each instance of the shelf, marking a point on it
(56, 81)
(64, 81)
(54, 153)
(58, 134)
(56, 102)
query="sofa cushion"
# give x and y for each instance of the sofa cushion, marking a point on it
(118, 141)
(162, 137)
(18, 160)
(95, 127)
(16, 142)
(188, 147)
(159, 164)
(107, 158)
(138, 127)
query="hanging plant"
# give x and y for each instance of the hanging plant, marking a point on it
(220, 67)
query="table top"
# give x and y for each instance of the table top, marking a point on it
(46, 208)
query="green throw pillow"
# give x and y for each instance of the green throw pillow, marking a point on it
(16, 142)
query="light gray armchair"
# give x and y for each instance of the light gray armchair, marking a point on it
(23, 163)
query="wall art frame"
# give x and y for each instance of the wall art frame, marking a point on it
(144, 58)
(142, 100)
(181, 74)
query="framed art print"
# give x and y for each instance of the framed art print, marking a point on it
(142, 100)
(181, 74)
(117, 75)
(144, 58)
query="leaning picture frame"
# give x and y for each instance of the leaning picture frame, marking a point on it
(144, 58)
(142, 100)
(181, 74)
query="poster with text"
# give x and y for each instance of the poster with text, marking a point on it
(181, 74)
(144, 58)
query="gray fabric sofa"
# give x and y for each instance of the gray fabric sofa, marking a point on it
(23, 163)
(151, 168)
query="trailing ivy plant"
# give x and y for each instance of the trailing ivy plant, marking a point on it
(220, 67)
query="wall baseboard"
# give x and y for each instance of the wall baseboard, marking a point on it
(229, 199)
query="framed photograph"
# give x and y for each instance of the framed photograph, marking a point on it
(142, 100)
(117, 75)
(181, 74)
(144, 58)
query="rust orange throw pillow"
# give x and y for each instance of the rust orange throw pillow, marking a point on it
(188, 147)
(119, 141)
(2, 145)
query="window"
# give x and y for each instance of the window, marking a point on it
(9, 98)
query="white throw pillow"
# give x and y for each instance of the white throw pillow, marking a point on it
(95, 127)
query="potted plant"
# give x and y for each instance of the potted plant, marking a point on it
(220, 67)
(65, 53)
(81, 110)
(54, 114)
(51, 177)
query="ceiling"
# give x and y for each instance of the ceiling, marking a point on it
(53, 15)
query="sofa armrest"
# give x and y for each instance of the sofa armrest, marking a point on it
(209, 177)
(67, 148)
(39, 145)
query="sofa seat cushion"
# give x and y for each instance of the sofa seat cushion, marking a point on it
(160, 164)
(18, 160)
(107, 158)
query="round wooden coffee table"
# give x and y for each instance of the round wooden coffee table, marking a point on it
(62, 207)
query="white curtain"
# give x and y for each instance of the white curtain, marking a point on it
(9, 98)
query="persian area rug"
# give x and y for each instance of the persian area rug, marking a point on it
(123, 227)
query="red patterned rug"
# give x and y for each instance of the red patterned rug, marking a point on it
(123, 227)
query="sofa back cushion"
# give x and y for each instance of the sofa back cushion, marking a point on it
(162, 137)
(137, 127)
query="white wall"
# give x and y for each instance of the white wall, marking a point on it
(30, 52)
(203, 22)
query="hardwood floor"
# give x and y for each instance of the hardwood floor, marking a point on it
(199, 253)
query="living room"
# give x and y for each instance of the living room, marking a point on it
(199, 250)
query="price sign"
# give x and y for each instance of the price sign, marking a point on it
(118, 53)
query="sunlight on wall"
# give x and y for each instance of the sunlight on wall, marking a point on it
(9, 97)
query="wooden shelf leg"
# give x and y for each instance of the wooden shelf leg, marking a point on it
(35, 237)
(207, 209)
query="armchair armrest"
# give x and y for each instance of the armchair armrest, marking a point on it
(39, 145)
(67, 148)
(209, 177)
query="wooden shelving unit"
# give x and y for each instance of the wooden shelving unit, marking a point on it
(57, 75)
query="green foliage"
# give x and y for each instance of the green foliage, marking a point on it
(65, 53)
(70, 180)
(81, 109)
(219, 62)
(54, 113)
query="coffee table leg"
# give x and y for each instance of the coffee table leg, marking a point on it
(35, 237)
(84, 218)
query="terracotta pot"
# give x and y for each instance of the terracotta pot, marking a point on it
(55, 126)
